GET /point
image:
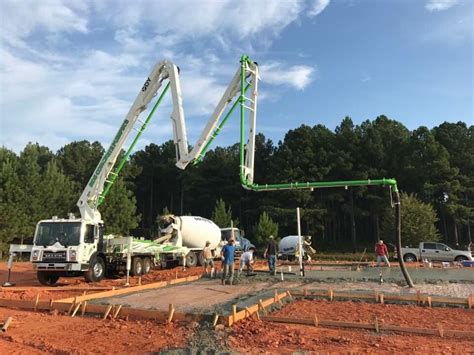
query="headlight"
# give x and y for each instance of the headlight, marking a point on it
(72, 255)
(35, 255)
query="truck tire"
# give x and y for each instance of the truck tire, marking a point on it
(201, 259)
(461, 258)
(96, 270)
(191, 259)
(410, 258)
(46, 278)
(137, 266)
(146, 266)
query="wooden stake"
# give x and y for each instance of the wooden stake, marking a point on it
(315, 319)
(36, 302)
(381, 296)
(258, 316)
(376, 296)
(139, 280)
(440, 330)
(289, 295)
(234, 312)
(117, 311)
(76, 309)
(170, 313)
(176, 274)
(418, 298)
(106, 314)
(51, 301)
(275, 296)
(262, 307)
(330, 294)
(83, 309)
(70, 308)
(377, 325)
(247, 312)
(84, 293)
(216, 318)
(469, 301)
(306, 292)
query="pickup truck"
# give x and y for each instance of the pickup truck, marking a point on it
(434, 252)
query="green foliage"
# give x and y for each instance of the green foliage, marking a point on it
(263, 229)
(222, 216)
(119, 211)
(435, 164)
(418, 221)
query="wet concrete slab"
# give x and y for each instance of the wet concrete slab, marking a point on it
(199, 297)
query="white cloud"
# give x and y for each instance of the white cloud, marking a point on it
(317, 7)
(71, 69)
(439, 5)
(297, 76)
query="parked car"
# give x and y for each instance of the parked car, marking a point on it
(434, 252)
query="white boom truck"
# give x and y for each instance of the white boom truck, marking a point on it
(74, 246)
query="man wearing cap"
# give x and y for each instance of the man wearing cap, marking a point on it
(227, 256)
(271, 254)
(381, 251)
(208, 259)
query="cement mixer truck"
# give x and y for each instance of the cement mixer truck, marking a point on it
(186, 236)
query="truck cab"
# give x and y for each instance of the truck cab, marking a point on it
(241, 243)
(68, 247)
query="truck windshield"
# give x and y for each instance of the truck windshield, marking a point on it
(226, 234)
(66, 233)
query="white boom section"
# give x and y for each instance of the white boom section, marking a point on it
(212, 129)
(89, 199)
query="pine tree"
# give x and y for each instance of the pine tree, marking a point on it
(119, 211)
(222, 216)
(264, 228)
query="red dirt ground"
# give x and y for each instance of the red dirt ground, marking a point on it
(39, 333)
(24, 276)
(259, 337)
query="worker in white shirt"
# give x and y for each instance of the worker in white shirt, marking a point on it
(208, 259)
(246, 260)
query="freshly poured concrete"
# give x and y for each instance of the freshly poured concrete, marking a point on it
(200, 297)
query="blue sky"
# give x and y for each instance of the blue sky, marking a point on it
(70, 70)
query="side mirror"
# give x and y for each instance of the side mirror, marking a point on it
(447, 249)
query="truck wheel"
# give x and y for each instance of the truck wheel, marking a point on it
(137, 266)
(146, 266)
(409, 258)
(96, 270)
(191, 259)
(461, 258)
(46, 278)
(201, 259)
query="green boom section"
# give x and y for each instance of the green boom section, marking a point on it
(113, 175)
(217, 130)
(293, 185)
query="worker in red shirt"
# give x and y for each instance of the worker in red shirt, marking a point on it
(381, 251)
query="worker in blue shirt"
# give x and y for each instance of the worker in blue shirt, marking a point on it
(227, 256)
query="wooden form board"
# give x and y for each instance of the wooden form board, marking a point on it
(375, 326)
(249, 311)
(382, 297)
(101, 309)
(126, 290)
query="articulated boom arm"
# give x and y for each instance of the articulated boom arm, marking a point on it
(103, 176)
(234, 95)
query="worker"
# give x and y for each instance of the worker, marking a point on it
(227, 256)
(271, 254)
(246, 260)
(381, 251)
(208, 259)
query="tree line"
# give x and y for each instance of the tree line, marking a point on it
(434, 169)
